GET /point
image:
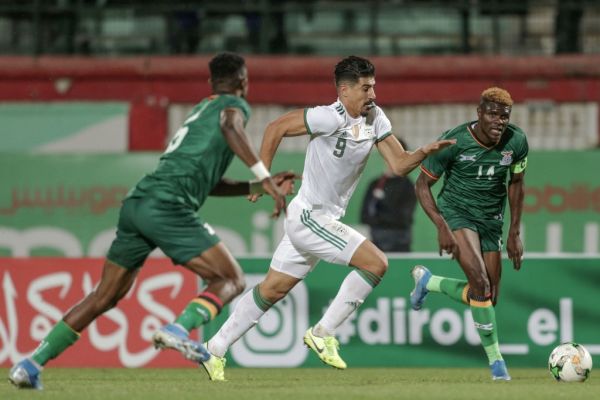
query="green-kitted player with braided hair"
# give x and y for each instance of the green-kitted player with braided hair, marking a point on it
(485, 166)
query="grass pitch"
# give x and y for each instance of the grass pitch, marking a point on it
(303, 383)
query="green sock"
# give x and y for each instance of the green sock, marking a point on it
(57, 341)
(454, 288)
(198, 312)
(484, 317)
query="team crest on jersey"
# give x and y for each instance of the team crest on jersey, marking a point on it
(464, 157)
(506, 157)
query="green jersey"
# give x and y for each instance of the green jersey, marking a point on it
(476, 175)
(197, 156)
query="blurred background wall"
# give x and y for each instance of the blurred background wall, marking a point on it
(91, 90)
(85, 86)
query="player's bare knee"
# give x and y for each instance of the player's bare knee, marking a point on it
(272, 293)
(380, 265)
(237, 285)
(480, 285)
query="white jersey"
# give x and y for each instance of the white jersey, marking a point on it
(337, 153)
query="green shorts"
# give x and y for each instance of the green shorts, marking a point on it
(146, 223)
(489, 230)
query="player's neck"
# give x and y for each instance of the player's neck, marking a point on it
(349, 111)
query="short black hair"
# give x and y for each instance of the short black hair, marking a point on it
(352, 68)
(225, 68)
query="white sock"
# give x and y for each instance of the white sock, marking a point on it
(351, 295)
(245, 315)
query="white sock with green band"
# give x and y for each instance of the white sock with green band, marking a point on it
(353, 291)
(246, 314)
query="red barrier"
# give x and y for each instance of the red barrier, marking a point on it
(301, 80)
(151, 83)
(36, 292)
(147, 125)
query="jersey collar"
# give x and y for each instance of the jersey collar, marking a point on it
(339, 106)
(471, 129)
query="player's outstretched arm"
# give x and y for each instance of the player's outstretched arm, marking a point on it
(232, 127)
(401, 161)
(289, 124)
(516, 194)
(229, 187)
(446, 240)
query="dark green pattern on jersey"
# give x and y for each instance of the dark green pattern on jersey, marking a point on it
(188, 171)
(476, 176)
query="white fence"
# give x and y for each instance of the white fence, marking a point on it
(548, 125)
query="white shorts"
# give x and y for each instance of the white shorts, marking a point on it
(310, 236)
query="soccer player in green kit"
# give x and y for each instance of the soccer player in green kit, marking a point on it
(469, 213)
(161, 212)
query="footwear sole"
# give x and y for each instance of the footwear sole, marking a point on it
(163, 341)
(209, 376)
(20, 385)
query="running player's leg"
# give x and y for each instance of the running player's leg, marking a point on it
(320, 235)
(425, 281)
(493, 265)
(126, 254)
(248, 311)
(224, 281)
(482, 309)
(288, 268)
(371, 264)
(250, 308)
(114, 284)
(182, 236)
(490, 235)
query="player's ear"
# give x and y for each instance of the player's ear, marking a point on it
(343, 89)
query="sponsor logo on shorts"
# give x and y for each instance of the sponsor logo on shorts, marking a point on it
(338, 228)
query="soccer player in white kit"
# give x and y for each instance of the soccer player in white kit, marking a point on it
(342, 135)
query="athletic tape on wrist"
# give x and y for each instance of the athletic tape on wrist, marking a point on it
(260, 171)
